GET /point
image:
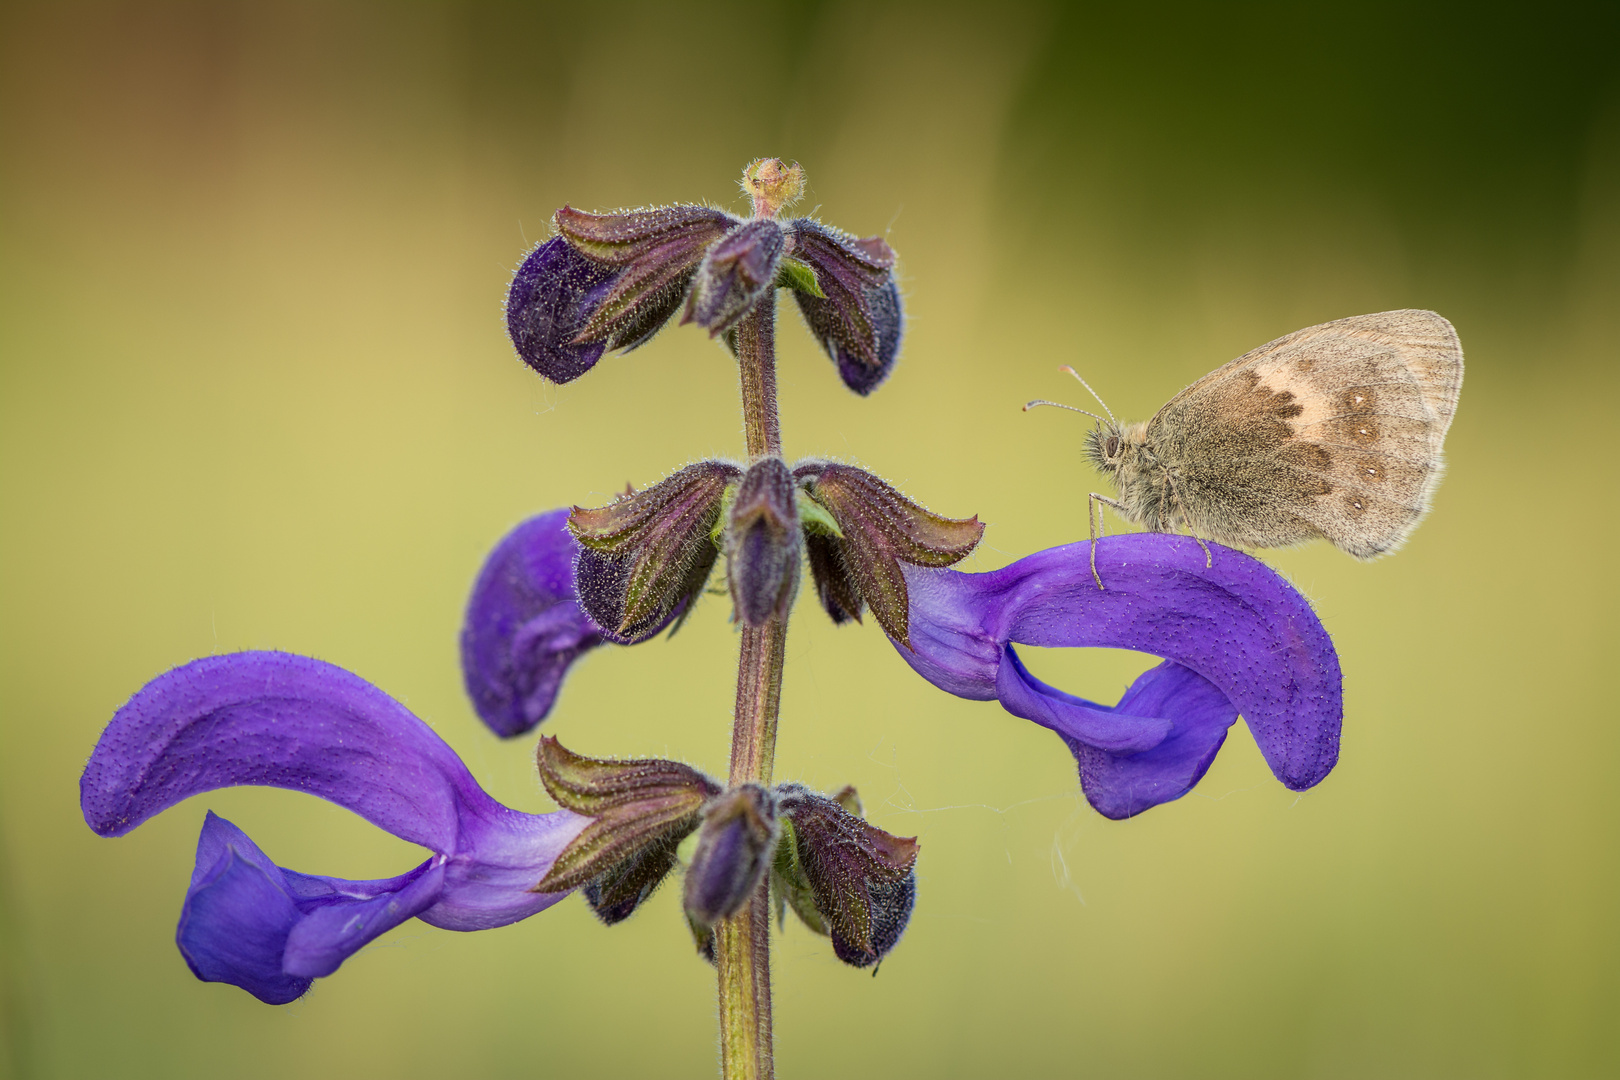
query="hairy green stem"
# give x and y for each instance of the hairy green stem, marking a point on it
(742, 942)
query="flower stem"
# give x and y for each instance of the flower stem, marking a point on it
(742, 942)
(756, 358)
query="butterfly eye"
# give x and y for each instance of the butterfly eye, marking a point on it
(1111, 447)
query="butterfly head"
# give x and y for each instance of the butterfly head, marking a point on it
(1104, 447)
(1111, 447)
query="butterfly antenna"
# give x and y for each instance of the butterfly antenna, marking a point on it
(1100, 401)
(1028, 405)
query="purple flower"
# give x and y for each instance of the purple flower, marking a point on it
(525, 627)
(1235, 636)
(612, 281)
(288, 721)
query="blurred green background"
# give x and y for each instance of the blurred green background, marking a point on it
(256, 393)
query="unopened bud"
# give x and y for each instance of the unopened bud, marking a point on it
(763, 543)
(854, 308)
(773, 185)
(735, 273)
(734, 849)
(880, 528)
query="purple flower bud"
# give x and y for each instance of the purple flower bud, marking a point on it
(762, 543)
(842, 876)
(854, 309)
(649, 552)
(640, 810)
(552, 296)
(734, 850)
(612, 281)
(881, 529)
(735, 274)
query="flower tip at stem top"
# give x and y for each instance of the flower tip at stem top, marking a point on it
(773, 184)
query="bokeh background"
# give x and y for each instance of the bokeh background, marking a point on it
(256, 393)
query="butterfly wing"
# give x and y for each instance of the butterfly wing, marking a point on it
(1335, 430)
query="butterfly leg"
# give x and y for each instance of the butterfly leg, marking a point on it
(1209, 560)
(1097, 528)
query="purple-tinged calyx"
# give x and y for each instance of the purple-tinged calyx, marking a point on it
(854, 310)
(878, 529)
(280, 720)
(735, 273)
(650, 552)
(606, 281)
(1235, 636)
(842, 876)
(654, 253)
(735, 846)
(762, 543)
(640, 811)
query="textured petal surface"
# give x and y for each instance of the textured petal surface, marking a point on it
(524, 627)
(289, 721)
(1237, 625)
(278, 720)
(552, 297)
(888, 321)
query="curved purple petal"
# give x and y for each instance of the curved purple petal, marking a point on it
(524, 627)
(552, 297)
(237, 915)
(1236, 625)
(1113, 730)
(1123, 785)
(490, 882)
(289, 721)
(271, 931)
(279, 720)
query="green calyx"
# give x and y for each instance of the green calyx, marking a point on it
(798, 275)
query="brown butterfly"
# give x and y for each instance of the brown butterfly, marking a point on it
(1334, 431)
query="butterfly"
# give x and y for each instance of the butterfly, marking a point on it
(1334, 431)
